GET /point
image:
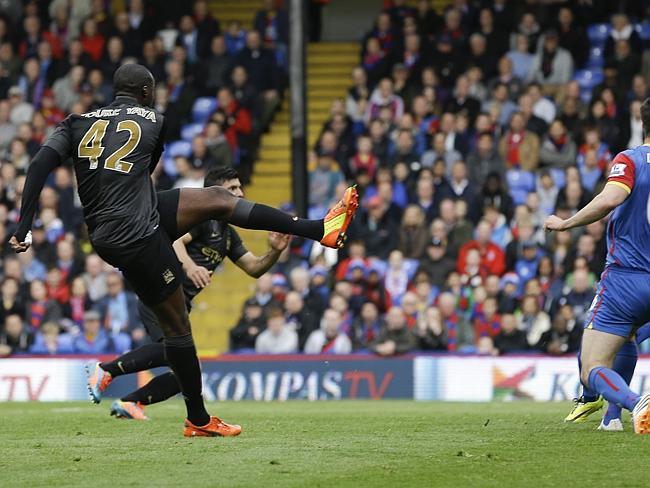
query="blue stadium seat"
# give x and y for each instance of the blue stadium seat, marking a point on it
(520, 180)
(178, 148)
(643, 30)
(596, 58)
(588, 78)
(598, 33)
(520, 183)
(519, 197)
(188, 131)
(203, 108)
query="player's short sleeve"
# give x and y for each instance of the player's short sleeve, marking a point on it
(236, 249)
(623, 172)
(61, 139)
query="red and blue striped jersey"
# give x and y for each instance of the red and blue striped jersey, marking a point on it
(628, 230)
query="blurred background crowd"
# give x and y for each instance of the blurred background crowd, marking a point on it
(463, 128)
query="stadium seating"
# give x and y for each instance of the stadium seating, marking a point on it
(203, 108)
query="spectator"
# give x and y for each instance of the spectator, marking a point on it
(492, 258)
(558, 150)
(94, 339)
(552, 65)
(263, 72)
(384, 97)
(213, 70)
(94, 277)
(532, 320)
(622, 30)
(40, 308)
(235, 38)
(430, 331)
(217, 144)
(323, 181)
(48, 340)
(241, 88)
(119, 310)
(21, 112)
(235, 120)
(395, 337)
(207, 27)
(510, 338)
(300, 317)
(12, 303)
(278, 337)
(328, 339)
(560, 339)
(484, 160)
(181, 92)
(366, 327)
(15, 338)
(250, 324)
(272, 24)
(413, 234)
(518, 147)
(520, 57)
(460, 335)
(572, 37)
(376, 229)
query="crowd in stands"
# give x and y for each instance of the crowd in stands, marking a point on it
(463, 130)
(58, 58)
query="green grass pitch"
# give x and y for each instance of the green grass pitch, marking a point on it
(322, 444)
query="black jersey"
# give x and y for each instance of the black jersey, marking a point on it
(114, 150)
(212, 242)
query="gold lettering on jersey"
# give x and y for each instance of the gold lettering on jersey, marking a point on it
(105, 112)
(142, 112)
(212, 254)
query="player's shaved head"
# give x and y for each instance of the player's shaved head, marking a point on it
(645, 117)
(136, 81)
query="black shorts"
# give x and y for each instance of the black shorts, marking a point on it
(150, 265)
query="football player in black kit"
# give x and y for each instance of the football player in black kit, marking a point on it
(114, 149)
(201, 251)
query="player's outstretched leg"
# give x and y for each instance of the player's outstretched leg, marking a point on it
(159, 389)
(197, 205)
(181, 356)
(139, 359)
(624, 365)
(598, 352)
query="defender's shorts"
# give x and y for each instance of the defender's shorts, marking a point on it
(622, 302)
(150, 265)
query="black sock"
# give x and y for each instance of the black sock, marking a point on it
(159, 389)
(257, 216)
(140, 359)
(181, 356)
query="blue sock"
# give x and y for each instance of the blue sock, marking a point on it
(611, 386)
(624, 365)
(587, 394)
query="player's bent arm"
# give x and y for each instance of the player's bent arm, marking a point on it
(255, 266)
(44, 162)
(198, 274)
(602, 204)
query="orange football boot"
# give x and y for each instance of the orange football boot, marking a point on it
(215, 428)
(128, 410)
(338, 219)
(97, 381)
(641, 415)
